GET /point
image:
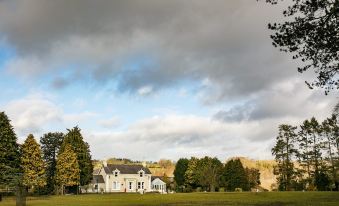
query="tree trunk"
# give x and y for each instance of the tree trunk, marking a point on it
(20, 196)
(212, 188)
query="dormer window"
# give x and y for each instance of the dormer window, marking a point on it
(141, 173)
(116, 173)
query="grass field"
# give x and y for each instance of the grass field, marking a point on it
(260, 199)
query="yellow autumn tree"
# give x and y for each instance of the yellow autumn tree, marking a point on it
(68, 172)
(32, 164)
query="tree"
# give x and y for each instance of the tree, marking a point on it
(180, 170)
(10, 169)
(67, 168)
(50, 145)
(81, 148)
(234, 176)
(284, 151)
(253, 176)
(191, 178)
(9, 152)
(32, 164)
(209, 171)
(312, 35)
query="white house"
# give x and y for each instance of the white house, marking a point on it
(158, 185)
(125, 178)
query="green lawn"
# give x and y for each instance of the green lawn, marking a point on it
(260, 199)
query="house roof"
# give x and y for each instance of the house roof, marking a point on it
(126, 169)
(98, 178)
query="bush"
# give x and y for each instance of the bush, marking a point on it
(238, 189)
(221, 189)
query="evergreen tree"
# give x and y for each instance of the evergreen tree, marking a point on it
(234, 176)
(284, 151)
(9, 152)
(32, 164)
(67, 168)
(50, 145)
(179, 171)
(81, 148)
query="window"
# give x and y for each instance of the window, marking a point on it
(142, 185)
(139, 185)
(116, 173)
(116, 185)
(141, 173)
(130, 185)
(95, 187)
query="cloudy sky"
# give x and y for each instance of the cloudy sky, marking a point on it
(152, 79)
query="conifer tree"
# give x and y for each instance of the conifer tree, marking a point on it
(284, 152)
(179, 171)
(81, 149)
(67, 168)
(32, 164)
(208, 172)
(50, 145)
(9, 152)
(235, 176)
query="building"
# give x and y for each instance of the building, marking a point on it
(158, 185)
(125, 178)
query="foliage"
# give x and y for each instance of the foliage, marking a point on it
(191, 178)
(253, 176)
(50, 145)
(234, 176)
(9, 152)
(180, 170)
(208, 172)
(81, 148)
(67, 168)
(283, 152)
(311, 33)
(308, 159)
(32, 163)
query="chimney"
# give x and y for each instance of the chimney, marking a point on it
(104, 163)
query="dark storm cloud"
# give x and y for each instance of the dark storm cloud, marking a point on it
(225, 42)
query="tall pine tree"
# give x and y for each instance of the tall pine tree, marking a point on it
(67, 168)
(50, 145)
(32, 164)
(179, 171)
(9, 152)
(81, 148)
(234, 176)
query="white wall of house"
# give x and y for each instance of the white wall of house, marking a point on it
(126, 182)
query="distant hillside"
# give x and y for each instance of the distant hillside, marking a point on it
(265, 167)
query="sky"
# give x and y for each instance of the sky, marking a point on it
(150, 79)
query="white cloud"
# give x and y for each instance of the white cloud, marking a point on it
(109, 123)
(145, 90)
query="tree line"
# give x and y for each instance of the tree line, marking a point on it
(308, 155)
(59, 162)
(209, 174)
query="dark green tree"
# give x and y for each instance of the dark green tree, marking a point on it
(81, 148)
(50, 145)
(179, 171)
(209, 171)
(10, 169)
(234, 176)
(284, 151)
(311, 33)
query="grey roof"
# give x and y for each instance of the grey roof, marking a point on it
(98, 178)
(126, 169)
